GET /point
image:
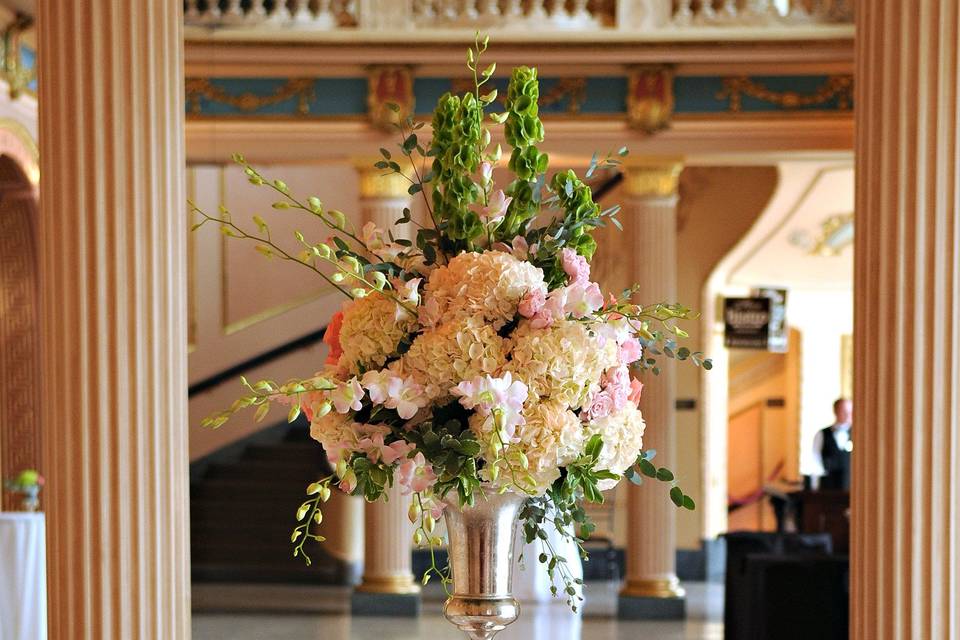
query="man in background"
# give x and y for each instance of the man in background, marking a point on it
(831, 449)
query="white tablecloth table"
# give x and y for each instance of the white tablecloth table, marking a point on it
(23, 577)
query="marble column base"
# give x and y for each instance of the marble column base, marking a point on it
(385, 604)
(650, 608)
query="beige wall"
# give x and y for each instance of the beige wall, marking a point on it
(717, 207)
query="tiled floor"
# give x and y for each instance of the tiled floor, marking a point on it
(329, 619)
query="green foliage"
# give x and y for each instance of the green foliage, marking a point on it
(456, 138)
(452, 449)
(644, 467)
(522, 130)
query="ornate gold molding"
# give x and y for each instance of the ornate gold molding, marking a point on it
(17, 77)
(652, 179)
(574, 90)
(826, 244)
(301, 88)
(650, 98)
(386, 85)
(839, 87)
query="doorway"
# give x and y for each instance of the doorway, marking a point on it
(20, 412)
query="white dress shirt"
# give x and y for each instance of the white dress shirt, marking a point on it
(841, 435)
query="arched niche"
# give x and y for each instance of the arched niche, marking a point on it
(20, 410)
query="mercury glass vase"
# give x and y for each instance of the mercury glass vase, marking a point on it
(480, 550)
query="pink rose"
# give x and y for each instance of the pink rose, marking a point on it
(601, 405)
(630, 351)
(636, 388)
(532, 302)
(331, 338)
(575, 266)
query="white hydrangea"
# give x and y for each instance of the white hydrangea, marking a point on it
(487, 285)
(552, 437)
(562, 362)
(441, 358)
(371, 332)
(622, 434)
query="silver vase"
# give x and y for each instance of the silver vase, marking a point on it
(480, 548)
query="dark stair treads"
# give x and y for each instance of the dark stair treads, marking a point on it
(242, 513)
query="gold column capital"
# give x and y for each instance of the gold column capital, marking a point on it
(378, 183)
(652, 177)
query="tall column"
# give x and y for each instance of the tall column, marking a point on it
(388, 587)
(650, 218)
(113, 263)
(905, 570)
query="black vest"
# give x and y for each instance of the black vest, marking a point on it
(836, 462)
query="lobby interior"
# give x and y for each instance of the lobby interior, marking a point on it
(799, 155)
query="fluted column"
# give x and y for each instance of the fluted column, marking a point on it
(905, 569)
(650, 218)
(387, 546)
(388, 587)
(113, 263)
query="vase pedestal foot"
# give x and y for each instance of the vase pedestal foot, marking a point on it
(481, 618)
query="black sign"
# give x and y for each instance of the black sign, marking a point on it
(777, 332)
(746, 323)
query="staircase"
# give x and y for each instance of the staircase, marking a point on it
(242, 506)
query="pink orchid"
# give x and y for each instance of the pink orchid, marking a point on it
(583, 298)
(532, 302)
(372, 236)
(331, 338)
(486, 173)
(415, 475)
(406, 396)
(636, 388)
(630, 351)
(336, 451)
(496, 207)
(409, 291)
(575, 266)
(376, 382)
(347, 396)
(499, 399)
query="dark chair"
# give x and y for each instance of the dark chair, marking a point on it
(738, 586)
(795, 597)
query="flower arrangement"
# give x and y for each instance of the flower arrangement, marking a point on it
(28, 482)
(477, 356)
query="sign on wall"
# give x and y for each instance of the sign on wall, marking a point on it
(758, 322)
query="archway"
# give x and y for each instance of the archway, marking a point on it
(20, 411)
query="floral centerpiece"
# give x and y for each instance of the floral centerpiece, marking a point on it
(474, 358)
(28, 483)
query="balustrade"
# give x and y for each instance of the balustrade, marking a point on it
(540, 15)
